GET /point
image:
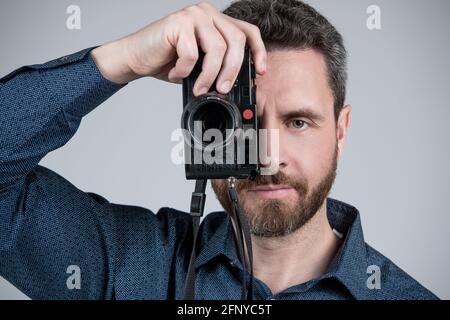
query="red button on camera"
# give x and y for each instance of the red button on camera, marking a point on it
(247, 114)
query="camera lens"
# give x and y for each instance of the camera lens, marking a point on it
(211, 112)
(214, 115)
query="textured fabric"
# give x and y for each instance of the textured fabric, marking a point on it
(129, 252)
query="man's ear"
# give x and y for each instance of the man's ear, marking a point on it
(343, 124)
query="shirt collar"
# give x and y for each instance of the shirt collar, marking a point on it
(218, 242)
(348, 266)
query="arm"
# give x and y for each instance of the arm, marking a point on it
(42, 232)
(42, 106)
(46, 223)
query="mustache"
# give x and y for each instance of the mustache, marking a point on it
(279, 178)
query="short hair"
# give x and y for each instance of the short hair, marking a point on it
(293, 24)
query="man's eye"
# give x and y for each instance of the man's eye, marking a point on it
(298, 124)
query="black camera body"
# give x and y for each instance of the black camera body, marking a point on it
(228, 143)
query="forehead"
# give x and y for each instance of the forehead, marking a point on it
(294, 79)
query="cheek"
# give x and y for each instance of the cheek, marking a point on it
(308, 155)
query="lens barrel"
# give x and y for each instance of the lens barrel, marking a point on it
(207, 112)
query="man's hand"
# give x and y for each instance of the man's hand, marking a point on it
(167, 49)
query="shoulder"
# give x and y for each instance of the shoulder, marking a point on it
(395, 283)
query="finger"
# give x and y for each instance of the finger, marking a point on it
(187, 51)
(214, 47)
(255, 43)
(234, 55)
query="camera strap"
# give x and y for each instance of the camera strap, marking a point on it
(243, 241)
(241, 237)
(197, 206)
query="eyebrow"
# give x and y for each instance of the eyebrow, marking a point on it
(303, 113)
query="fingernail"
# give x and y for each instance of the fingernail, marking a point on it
(226, 86)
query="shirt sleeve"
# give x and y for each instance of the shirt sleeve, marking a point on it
(55, 240)
(41, 108)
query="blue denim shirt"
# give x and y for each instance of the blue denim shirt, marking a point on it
(128, 252)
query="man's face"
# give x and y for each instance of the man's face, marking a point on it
(293, 97)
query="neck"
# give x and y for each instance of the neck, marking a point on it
(297, 258)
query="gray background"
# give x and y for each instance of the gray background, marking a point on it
(394, 168)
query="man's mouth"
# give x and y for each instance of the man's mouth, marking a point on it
(271, 191)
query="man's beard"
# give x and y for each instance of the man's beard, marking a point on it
(277, 218)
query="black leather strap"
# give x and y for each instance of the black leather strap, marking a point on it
(197, 207)
(243, 239)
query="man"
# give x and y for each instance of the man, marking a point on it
(305, 246)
